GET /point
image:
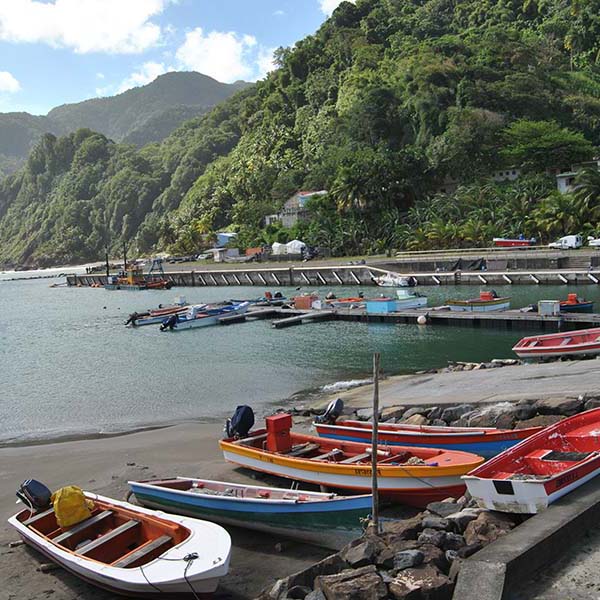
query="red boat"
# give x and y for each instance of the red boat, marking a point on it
(542, 468)
(513, 243)
(569, 343)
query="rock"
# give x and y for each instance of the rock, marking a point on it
(454, 569)
(469, 550)
(435, 522)
(501, 415)
(591, 403)
(422, 582)
(392, 412)
(461, 519)
(352, 584)
(359, 555)
(434, 555)
(487, 528)
(298, 591)
(438, 423)
(524, 412)
(452, 413)
(505, 362)
(407, 559)
(431, 536)
(415, 410)
(442, 509)
(329, 565)
(435, 413)
(451, 555)
(453, 541)
(539, 421)
(405, 529)
(386, 576)
(364, 414)
(559, 406)
(415, 420)
(315, 595)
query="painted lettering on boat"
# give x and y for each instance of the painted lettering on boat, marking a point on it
(365, 472)
(566, 479)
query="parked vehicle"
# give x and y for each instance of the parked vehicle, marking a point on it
(593, 242)
(567, 242)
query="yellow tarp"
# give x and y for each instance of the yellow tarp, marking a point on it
(71, 506)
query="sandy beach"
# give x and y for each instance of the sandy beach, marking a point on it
(104, 466)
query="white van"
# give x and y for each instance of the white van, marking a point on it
(567, 242)
(593, 242)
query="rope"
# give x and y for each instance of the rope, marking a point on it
(189, 559)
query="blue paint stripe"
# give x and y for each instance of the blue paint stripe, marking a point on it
(485, 449)
(224, 503)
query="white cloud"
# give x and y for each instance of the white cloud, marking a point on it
(265, 62)
(279, 13)
(328, 6)
(8, 83)
(148, 72)
(112, 26)
(100, 75)
(226, 56)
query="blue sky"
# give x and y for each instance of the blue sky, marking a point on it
(58, 51)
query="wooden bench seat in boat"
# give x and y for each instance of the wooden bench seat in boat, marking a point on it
(65, 536)
(355, 459)
(331, 454)
(108, 537)
(566, 341)
(130, 560)
(248, 441)
(38, 517)
(304, 449)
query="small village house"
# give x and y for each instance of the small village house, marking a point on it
(294, 209)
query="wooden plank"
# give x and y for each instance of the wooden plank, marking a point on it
(330, 454)
(355, 459)
(38, 517)
(63, 537)
(306, 449)
(108, 537)
(141, 552)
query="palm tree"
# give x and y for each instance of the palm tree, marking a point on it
(587, 194)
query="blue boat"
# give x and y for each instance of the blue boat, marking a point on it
(325, 519)
(202, 315)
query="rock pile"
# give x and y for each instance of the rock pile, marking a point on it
(412, 559)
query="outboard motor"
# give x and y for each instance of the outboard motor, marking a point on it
(333, 411)
(240, 423)
(169, 323)
(34, 494)
(133, 317)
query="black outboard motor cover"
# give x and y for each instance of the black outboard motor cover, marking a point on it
(34, 494)
(240, 423)
(334, 410)
(169, 323)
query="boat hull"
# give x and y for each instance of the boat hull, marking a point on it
(332, 523)
(479, 305)
(581, 307)
(573, 343)
(210, 319)
(486, 444)
(416, 302)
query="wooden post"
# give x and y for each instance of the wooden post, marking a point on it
(374, 489)
(107, 265)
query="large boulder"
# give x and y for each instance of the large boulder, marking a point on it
(434, 555)
(432, 536)
(424, 582)
(405, 529)
(559, 406)
(462, 518)
(487, 528)
(591, 402)
(392, 412)
(453, 541)
(415, 410)
(443, 509)
(360, 555)
(435, 522)
(452, 413)
(407, 559)
(415, 420)
(352, 584)
(501, 415)
(539, 421)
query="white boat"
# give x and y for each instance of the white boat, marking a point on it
(394, 280)
(409, 299)
(132, 551)
(202, 315)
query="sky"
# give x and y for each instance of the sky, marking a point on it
(59, 51)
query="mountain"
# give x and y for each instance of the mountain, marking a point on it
(387, 103)
(140, 115)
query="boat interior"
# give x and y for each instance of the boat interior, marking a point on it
(226, 489)
(307, 447)
(572, 338)
(560, 452)
(111, 535)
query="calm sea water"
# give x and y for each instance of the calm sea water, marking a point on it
(70, 367)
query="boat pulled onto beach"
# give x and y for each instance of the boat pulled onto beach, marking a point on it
(542, 468)
(131, 551)
(413, 476)
(202, 315)
(325, 519)
(487, 301)
(483, 441)
(569, 343)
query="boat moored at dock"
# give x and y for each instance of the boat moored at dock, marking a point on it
(575, 304)
(542, 468)
(202, 315)
(487, 301)
(483, 441)
(325, 519)
(568, 343)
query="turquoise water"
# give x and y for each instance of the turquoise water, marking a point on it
(70, 367)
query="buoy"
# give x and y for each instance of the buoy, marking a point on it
(422, 320)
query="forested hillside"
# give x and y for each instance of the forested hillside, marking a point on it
(141, 115)
(383, 104)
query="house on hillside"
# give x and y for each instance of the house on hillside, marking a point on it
(294, 209)
(565, 182)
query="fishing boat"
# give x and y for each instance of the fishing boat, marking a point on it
(325, 519)
(519, 242)
(202, 315)
(484, 441)
(351, 302)
(153, 316)
(542, 468)
(487, 301)
(409, 299)
(575, 304)
(414, 476)
(132, 278)
(394, 280)
(568, 343)
(269, 299)
(132, 551)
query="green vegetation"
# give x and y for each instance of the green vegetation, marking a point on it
(385, 104)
